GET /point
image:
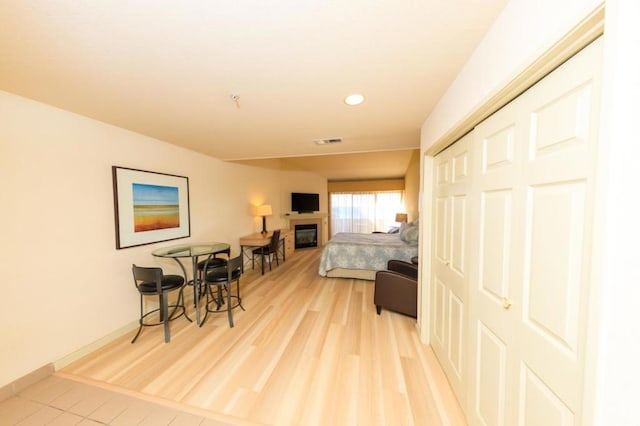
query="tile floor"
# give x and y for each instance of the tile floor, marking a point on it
(60, 401)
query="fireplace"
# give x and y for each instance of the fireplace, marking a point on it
(306, 235)
(294, 220)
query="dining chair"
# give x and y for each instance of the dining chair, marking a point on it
(213, 261)
(267, 251)
(151, 281)
(222, 278)
(210, 263)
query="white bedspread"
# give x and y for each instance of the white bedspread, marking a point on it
(364, 251)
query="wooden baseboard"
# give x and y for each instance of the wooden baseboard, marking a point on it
(35, 376)
(91, 347)
(86, 350)
(23, 382)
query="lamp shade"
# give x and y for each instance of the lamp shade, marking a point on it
(264, 210)
(401, 217)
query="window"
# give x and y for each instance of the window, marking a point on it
(365, 211)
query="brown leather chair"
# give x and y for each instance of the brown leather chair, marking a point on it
(396, 288)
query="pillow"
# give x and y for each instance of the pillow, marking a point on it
(410, 233)
(403, 227)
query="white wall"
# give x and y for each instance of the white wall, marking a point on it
(295, 181)
(64, 285)
(412, 187)
(520, 34)
(617, 306)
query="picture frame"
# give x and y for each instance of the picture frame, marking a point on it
(149, 207)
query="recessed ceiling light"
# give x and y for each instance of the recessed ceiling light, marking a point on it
(355, 99)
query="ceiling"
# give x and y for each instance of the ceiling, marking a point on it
(169, 69)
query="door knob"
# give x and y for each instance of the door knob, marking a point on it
(506, 303)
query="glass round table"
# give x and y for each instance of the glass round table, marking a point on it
(193, 251)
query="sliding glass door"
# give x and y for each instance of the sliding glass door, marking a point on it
(365, 212)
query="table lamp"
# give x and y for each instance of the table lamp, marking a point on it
(401, 217)
(264, 211)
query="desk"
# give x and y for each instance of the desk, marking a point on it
(194, 250)
(260, 240)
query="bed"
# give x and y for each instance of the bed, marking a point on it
(353, 255)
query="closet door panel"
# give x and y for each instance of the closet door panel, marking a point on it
(442, 228)
(458, 233)
(438, 308)
(495, 243)
(490, 391)
(497, 152)
(441, 273)
(518, 251)
(563, 123)
(498, 149)
(443, 177)
(561, 116)
(449, 264)
(460, 164)
(552, 285)
(541, 406)
(456, 333)
(440, 319)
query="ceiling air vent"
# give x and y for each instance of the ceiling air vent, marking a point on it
(327, 141)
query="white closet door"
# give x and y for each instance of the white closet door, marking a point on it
(449, 266)
(497, 154)
(534, 192)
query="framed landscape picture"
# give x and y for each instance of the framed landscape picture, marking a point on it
(149, 207)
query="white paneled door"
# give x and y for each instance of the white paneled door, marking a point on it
(513, 203)
(529, 280)
(452, 175)
(494, 274)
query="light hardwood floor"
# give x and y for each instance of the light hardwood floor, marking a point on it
(307, 351)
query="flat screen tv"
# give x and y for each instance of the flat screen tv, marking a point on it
(305, 203)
